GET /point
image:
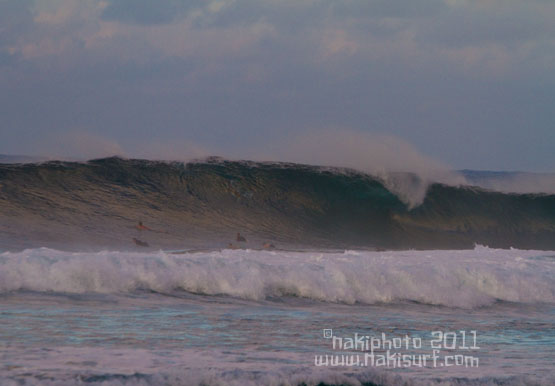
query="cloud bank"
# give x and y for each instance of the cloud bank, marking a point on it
(468, 82)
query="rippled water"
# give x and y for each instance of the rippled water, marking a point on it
(246, 317)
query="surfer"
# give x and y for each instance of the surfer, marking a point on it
(140, 243)
(142, 227)
(240, 238)
(268, 246)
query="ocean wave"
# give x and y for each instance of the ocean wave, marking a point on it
(95, 205)
(465, 279)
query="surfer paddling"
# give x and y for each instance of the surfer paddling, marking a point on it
(240, 239)
(142, 227)
(140, 243)
(268, 246)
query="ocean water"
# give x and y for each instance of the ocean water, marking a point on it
(247, 317)
(95, 205)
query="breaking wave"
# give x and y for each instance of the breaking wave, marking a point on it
(95, 205)
(467, 278)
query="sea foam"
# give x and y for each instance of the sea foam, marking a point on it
(463, 278)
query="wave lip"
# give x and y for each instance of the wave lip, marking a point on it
(464, 279)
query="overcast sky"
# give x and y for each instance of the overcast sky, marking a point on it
(469, 84)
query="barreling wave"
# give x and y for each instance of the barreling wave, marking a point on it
(464, 279)
(95, 205)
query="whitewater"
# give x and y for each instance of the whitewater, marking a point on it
(461, 278)
(131, 272)
(259, 317)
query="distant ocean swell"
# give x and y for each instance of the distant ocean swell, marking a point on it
(95, 205)
(466, 279)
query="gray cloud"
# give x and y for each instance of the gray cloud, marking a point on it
(469, 83)
(148, 12)
(387, 8)
(507, 23)
(16, 19)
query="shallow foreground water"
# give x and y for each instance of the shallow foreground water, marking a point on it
(481, 316)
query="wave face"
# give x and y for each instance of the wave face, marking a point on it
(463, 279)
(95, 205)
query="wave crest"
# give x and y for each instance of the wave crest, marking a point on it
(95, 205)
